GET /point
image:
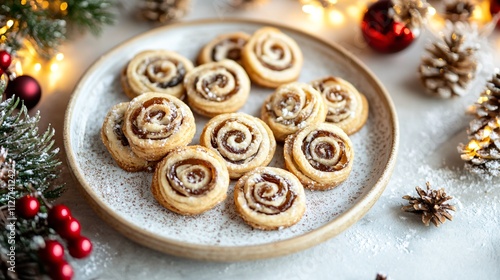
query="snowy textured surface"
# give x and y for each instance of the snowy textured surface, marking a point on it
(129, 195)
(386, 240)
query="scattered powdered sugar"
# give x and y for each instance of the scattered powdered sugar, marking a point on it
(129, 196)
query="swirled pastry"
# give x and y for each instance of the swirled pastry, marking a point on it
(155, 123)
(347, 108)
(190, 180)
(269, 198)
(155, 71)
(245, 142)
(271, 58)
(117, 144)
(320, 155)
(217, 87)
(225, 46)
(292, 107)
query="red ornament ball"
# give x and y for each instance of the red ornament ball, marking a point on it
(382, 33)
(27, 207)
(69, 229)
(80, 247)
(26, 88)
(5, 60)
(61, 271)
(58, 214)
(52, 253)
(495, 8)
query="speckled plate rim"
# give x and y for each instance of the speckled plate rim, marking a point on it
(235, 253)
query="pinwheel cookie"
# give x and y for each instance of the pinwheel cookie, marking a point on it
(225, 46)
(292, 107)
(269, 198)
(217, 87)
(243, 141)
(347, 108)
(320, 155)
(155, 123)
(190, 180)
(272, 58)
(117, 144)
(155, 71)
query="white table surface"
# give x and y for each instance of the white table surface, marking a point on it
(385, 241)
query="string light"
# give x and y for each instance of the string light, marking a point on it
(332, 12)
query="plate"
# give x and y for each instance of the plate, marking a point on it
(124, 199)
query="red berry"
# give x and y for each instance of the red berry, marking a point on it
(69, 229)
(58, 214)
(53, 252)
(80, 247)
(5, 60)
(61, 271)
(27, 207)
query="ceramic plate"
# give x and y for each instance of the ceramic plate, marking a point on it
(124, 199)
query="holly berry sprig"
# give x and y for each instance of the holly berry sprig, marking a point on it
(59, 219)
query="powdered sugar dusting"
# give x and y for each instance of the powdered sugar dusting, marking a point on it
(129, 195)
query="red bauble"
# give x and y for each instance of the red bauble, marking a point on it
(52, 253)
(80, 247)
(382, 33)
(58, 214)
(495, 8)
(26, 88)
(27, 207)
(5, 60)
(69, 229)
(61, 271)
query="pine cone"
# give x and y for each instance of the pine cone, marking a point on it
(163, 10)
(411, 12)
(488, 104)
(449, 66)
(431, 205)
(459, 10)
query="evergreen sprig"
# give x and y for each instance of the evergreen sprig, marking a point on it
(36, 161)
(45, 26)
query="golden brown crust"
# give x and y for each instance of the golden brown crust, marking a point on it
(224, 46)
(347, 108)
(217, 87)
(155, 123)
(271, 58)
(190, 180)
(269, 198)
(117, 144)
(292, 107)
(320, 155)
(155, 71)
(243, 141)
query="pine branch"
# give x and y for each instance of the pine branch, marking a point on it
(36, 159)
(45, 26)
(90, 14)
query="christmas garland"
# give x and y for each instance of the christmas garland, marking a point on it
(35, 229)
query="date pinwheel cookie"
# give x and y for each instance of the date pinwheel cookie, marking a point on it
(155, 71)
(117, 144)
(271, 58)
(217, 87)
(155, 123)
(320, 155)
(244, 142)
(292, 107)
(269, 198)
(190, 180)
(347, 108)
(224, 46)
